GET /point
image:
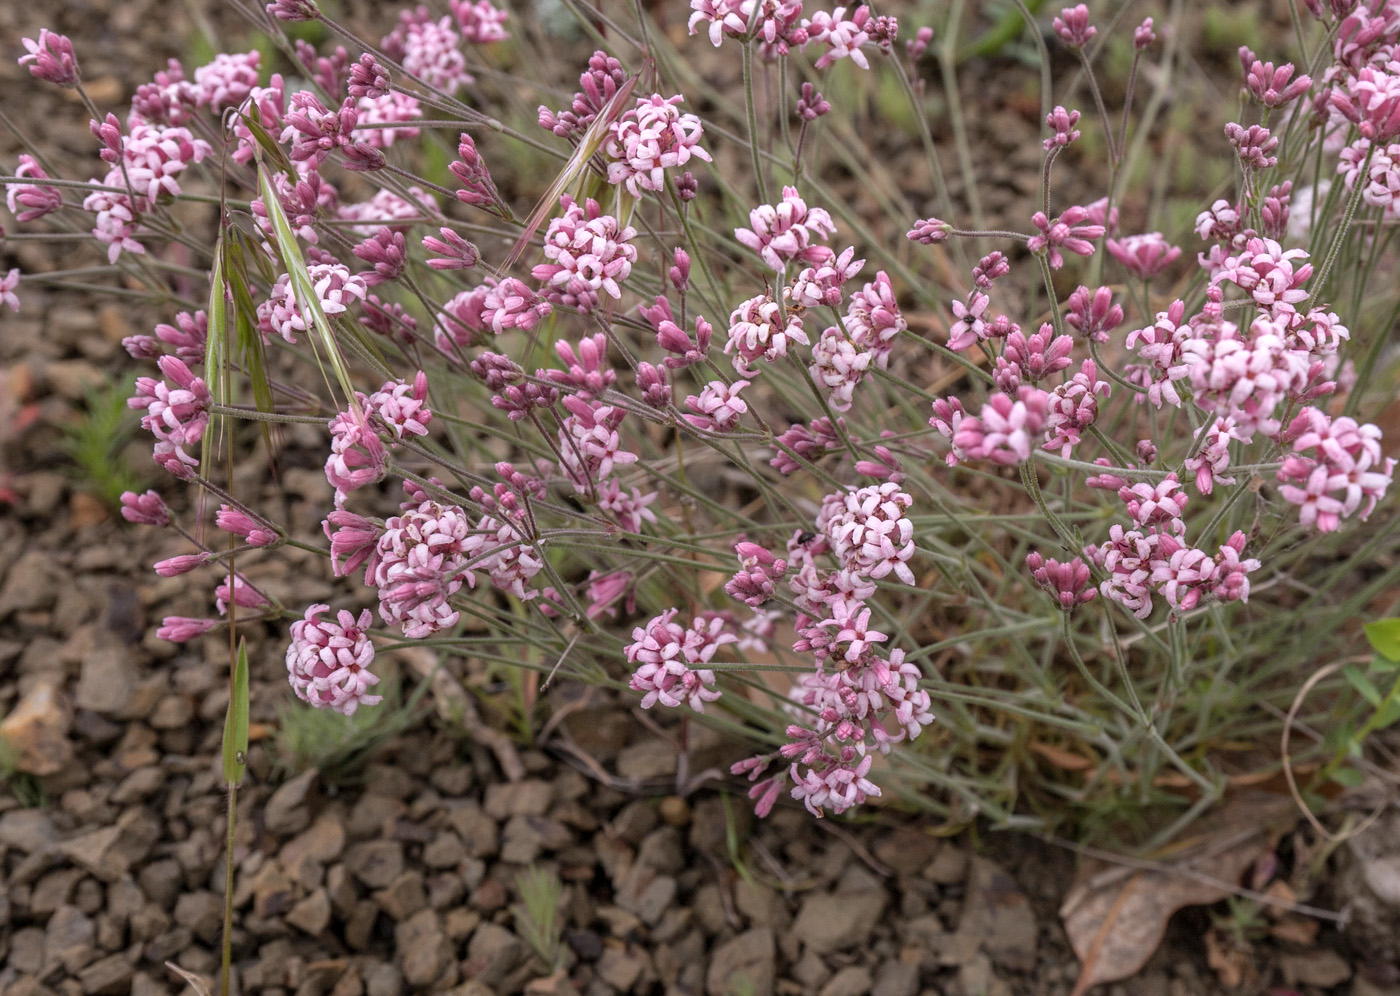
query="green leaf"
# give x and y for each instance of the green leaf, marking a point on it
(1384, 635)
(324, 347)
(236, 721)
(1350, 777)
(1362, 684)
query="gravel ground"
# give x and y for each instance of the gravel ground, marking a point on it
(403, 874)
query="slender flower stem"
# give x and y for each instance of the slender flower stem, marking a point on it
(1320, 280)
(753, 123)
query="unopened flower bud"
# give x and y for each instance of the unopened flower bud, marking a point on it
(182, 564)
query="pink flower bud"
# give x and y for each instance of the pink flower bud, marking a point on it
(182, 564)
(51, 58)
(179, 629)
(679, 273)
(146, 509)
(1144, 36)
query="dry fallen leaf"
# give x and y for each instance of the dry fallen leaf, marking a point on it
(1115, 916)
(1232, 965)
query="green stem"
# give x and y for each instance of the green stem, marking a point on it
(753, 123)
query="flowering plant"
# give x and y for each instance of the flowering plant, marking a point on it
(1053, 485)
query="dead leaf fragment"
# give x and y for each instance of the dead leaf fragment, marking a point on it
(1116, 916)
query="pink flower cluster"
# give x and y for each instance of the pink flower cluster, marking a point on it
(1336, 469)
(421, 559)
(1153, 559)
(177, 413)
(842, 359)
(649, 139)
(669, 660)
(869, 532)
(328, 661)
(588, 252)
(788, 230)
(335, 288)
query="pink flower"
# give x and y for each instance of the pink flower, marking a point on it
(328, 662)
(1093, 315)
(969, 327)
(353, 541)
(664, 654)
(759, 331)
(421, 560)
(1144, 256)
(822, 284)
(930, 231)
(402, 408)
(1068, 582)
(869, 531)
(368, 78)
(481, 22)
(385, 251)
(718, 405)
(1253, 145)
(1213, 455)
(1005, 429)
(1380, 187)
(237, 523)
(776, 29)
(1062, 123)
(1036, 356)
(1072, 407)
(811, 104)
(456, 252)
(843, 39)
(181, 629)
(1068, 232)
(588, 252)
(588, 372)
(115, 224)
(1370, 100)
(508, 557)
(598, 84)
(358, 456)
(838, 787)
(1073, 26)
(188, 335)
(243, 594)
(386, 109)
(294, 10)
(429, 49)
(1143, 35)
(788, 231)
(1160, 504)
(147, 509)
(27, 201)
(589, 444)
(183, 564)
(227, 81)
(8, 283)
(335, 288)
(629, 509)
(51, 58)
(496, 304)
(470, 170)
(1336, 469)
(1270, 86)
(649, 139)
(177, 412)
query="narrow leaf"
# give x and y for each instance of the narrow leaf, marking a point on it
(323, 336)
(1362, 684)
(591, 142)
(236, 720)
